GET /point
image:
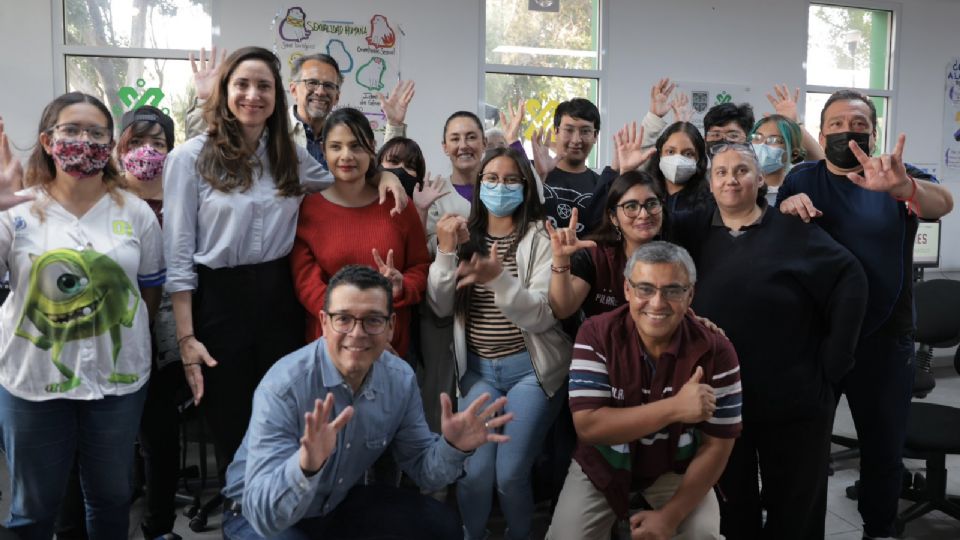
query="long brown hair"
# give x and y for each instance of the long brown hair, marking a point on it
(42, 170)
(225, 161)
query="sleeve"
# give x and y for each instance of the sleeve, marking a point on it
(309, 277)
(581, 266)
(181, 206)
(314, 177)
(653, 126)
(194, 124)
(593, 215)
(6, 242)
(276, 492)
(416, 257)
(726, 422)
(152, 272)
(589, 386)
(788, 188)
(442, 284)
(427, 457)
(527, 307)
(392, 131)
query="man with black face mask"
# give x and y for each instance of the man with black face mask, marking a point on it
(871, 206)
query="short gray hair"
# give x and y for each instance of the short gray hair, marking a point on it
(660, 252)
(317, 57)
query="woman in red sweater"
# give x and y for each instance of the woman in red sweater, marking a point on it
(345, 224)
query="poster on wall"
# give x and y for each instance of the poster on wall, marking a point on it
(950, 158)
(366, 47)
(703, 96)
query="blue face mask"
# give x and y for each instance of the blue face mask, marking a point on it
(770, 157)
(499, 199)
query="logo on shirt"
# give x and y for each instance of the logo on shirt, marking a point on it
(122, 228)
(19, 223)
(616, 393)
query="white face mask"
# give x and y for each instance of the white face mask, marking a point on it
(677, 168)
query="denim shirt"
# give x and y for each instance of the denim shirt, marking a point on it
(265, 475)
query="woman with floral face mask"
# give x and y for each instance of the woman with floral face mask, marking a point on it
(86, 266)
(507, 341)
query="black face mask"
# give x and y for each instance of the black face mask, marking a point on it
(408, 180)
(838, 149)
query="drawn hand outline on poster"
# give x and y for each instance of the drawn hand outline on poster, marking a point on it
(367, 49)
(950, 153)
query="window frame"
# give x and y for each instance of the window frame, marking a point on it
(892, 92)
(597, 74)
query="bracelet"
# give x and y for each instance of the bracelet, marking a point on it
(185, 364)
(559, 269)
(442, 252)
(184, 338)
(912, 206)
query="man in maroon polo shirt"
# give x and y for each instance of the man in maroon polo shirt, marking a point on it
(656, 400)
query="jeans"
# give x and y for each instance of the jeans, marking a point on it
(505, 465)
(42, 439)
(367, 513)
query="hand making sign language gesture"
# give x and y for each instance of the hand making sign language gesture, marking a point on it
(389, 271)
(11, 175)
(511, 123)
(206, 75)
(479, 269)
(542, 142)
(395, 105)
(564, 242)
(885, 173)
(630, 152)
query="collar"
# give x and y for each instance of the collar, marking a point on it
(717, 220)
(296, 122)
(331, 377)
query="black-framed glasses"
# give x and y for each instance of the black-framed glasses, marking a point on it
(740, 147)
(760, 138)
(671, 293)
(511, 182)
(313, 84)
(71, 132)
(632, 208)
(732, 136)
(345, 323)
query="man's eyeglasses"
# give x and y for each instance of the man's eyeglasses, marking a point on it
(70, 132)
(760, 138)
(511, 182)
(586, 133)
(632, 208)
(671, 293)
(740, 147)
(313, 84)
(372, 324)
(733, 136)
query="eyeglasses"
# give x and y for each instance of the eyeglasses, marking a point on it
(729, 136)
(345, 323)
(631, 209)
(671, 293)
(586, 133)
(760, 138)
(740, 147)
(313, 84)
(95, 134)
(511, 182)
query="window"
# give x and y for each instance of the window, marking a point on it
(850, 47)
(544, 51)
(127, 53)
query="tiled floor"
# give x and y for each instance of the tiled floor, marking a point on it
(843, 521)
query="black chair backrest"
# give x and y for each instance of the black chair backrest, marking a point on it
(938, 312)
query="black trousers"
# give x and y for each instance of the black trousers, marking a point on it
(248, 317)
(792, 457)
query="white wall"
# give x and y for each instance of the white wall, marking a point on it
(752, 42)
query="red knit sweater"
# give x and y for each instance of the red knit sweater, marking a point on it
(330, 236)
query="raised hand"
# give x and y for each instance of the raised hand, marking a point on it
(395, 105)
(320, 434)
(479, 269)
(660, 97)
(451, 232)
(511, 124)
(784, 104)
(472, 428)
(564, 242)
(630, 152)
(389, 271)
(429, 191)
(194, 355)
(205, 77)
(11, 175)
(542, 142)
(883, 173)
(389, 183)
(680, 105)
(695, 401)
(801, 206)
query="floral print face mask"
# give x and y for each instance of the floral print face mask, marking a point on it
(144, 162)
(79, 158)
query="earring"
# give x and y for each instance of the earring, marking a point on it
(619, 234)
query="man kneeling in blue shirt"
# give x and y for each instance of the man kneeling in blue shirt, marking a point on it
(324, 414)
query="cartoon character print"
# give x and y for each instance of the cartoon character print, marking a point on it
(294, 25)
(144, 162)
(338, 51)
(567, 199)
(80, 158)
(76, 295)
(370, 75)
(381, 34)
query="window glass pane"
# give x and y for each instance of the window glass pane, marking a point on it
(848, 47)
(814, 105)
(162, 24)
(518, 34)
(126, 83)
(542, 95)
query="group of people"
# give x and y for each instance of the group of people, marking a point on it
(693, 312)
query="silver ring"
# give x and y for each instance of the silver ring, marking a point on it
(486, 425)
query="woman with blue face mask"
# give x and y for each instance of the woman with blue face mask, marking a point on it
(507, 341)
(777, 143)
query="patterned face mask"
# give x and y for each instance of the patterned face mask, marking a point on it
(79, 158)
(144, 162)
